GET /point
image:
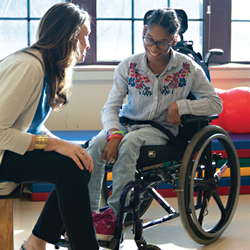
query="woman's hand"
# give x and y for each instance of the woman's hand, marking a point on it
(75, 151)
(110, 151)
(173, 116)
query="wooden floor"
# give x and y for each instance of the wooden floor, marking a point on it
(168, 236)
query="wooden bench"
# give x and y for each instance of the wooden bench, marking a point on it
(6, 218)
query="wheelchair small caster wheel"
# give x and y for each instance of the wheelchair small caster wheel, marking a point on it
(152, 247)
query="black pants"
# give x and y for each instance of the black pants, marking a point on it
(67, 207)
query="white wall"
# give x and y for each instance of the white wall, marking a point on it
(93, 84)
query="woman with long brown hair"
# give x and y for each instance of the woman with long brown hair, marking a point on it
(33, 81)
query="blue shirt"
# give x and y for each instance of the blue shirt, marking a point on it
(150, 96)
(43, 109)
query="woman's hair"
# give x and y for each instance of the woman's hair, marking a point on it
(57, 38)
(166, 18)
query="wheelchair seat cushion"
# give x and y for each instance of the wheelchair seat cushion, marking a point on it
(156, 155)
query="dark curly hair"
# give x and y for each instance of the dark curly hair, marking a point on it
(166, 18)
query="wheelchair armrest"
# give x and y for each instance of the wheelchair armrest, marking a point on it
(192, 118)
(210, 53)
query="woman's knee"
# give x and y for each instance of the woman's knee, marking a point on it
(69, 169)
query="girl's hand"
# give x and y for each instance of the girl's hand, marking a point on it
(173, 116)
(110, 151)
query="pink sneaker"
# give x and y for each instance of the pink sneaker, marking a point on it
(105, 224)
(94, 214)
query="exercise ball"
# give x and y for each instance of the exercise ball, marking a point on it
(235, 116)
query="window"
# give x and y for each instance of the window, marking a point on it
(240, 28)
(118, 26)
(18, 23)
(209, 27)
(119, 29)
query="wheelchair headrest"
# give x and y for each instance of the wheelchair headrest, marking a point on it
(181, 14)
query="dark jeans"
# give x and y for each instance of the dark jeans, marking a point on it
(67, 207)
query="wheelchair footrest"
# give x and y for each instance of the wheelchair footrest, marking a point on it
(62, 243)
(114, 243)
(141, 244)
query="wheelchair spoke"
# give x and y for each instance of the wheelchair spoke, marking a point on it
(209, 172)
(217, 199)
(206, 198)
(202, 183)
(208, 162)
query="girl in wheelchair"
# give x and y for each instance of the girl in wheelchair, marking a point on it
(157, 83)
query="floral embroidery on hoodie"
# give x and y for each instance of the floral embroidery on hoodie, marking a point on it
(139, 81)
(176, 80)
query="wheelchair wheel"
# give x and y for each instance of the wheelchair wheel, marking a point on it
(152, 247)
(144, 205)
(201, 188)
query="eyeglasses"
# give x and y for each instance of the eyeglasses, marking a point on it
(160, 45)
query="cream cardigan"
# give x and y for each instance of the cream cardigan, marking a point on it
(21, 83)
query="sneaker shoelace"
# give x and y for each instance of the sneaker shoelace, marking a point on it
(104, 219)
(96, 215)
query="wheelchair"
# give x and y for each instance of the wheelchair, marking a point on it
(191, 166)
(195, 174)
